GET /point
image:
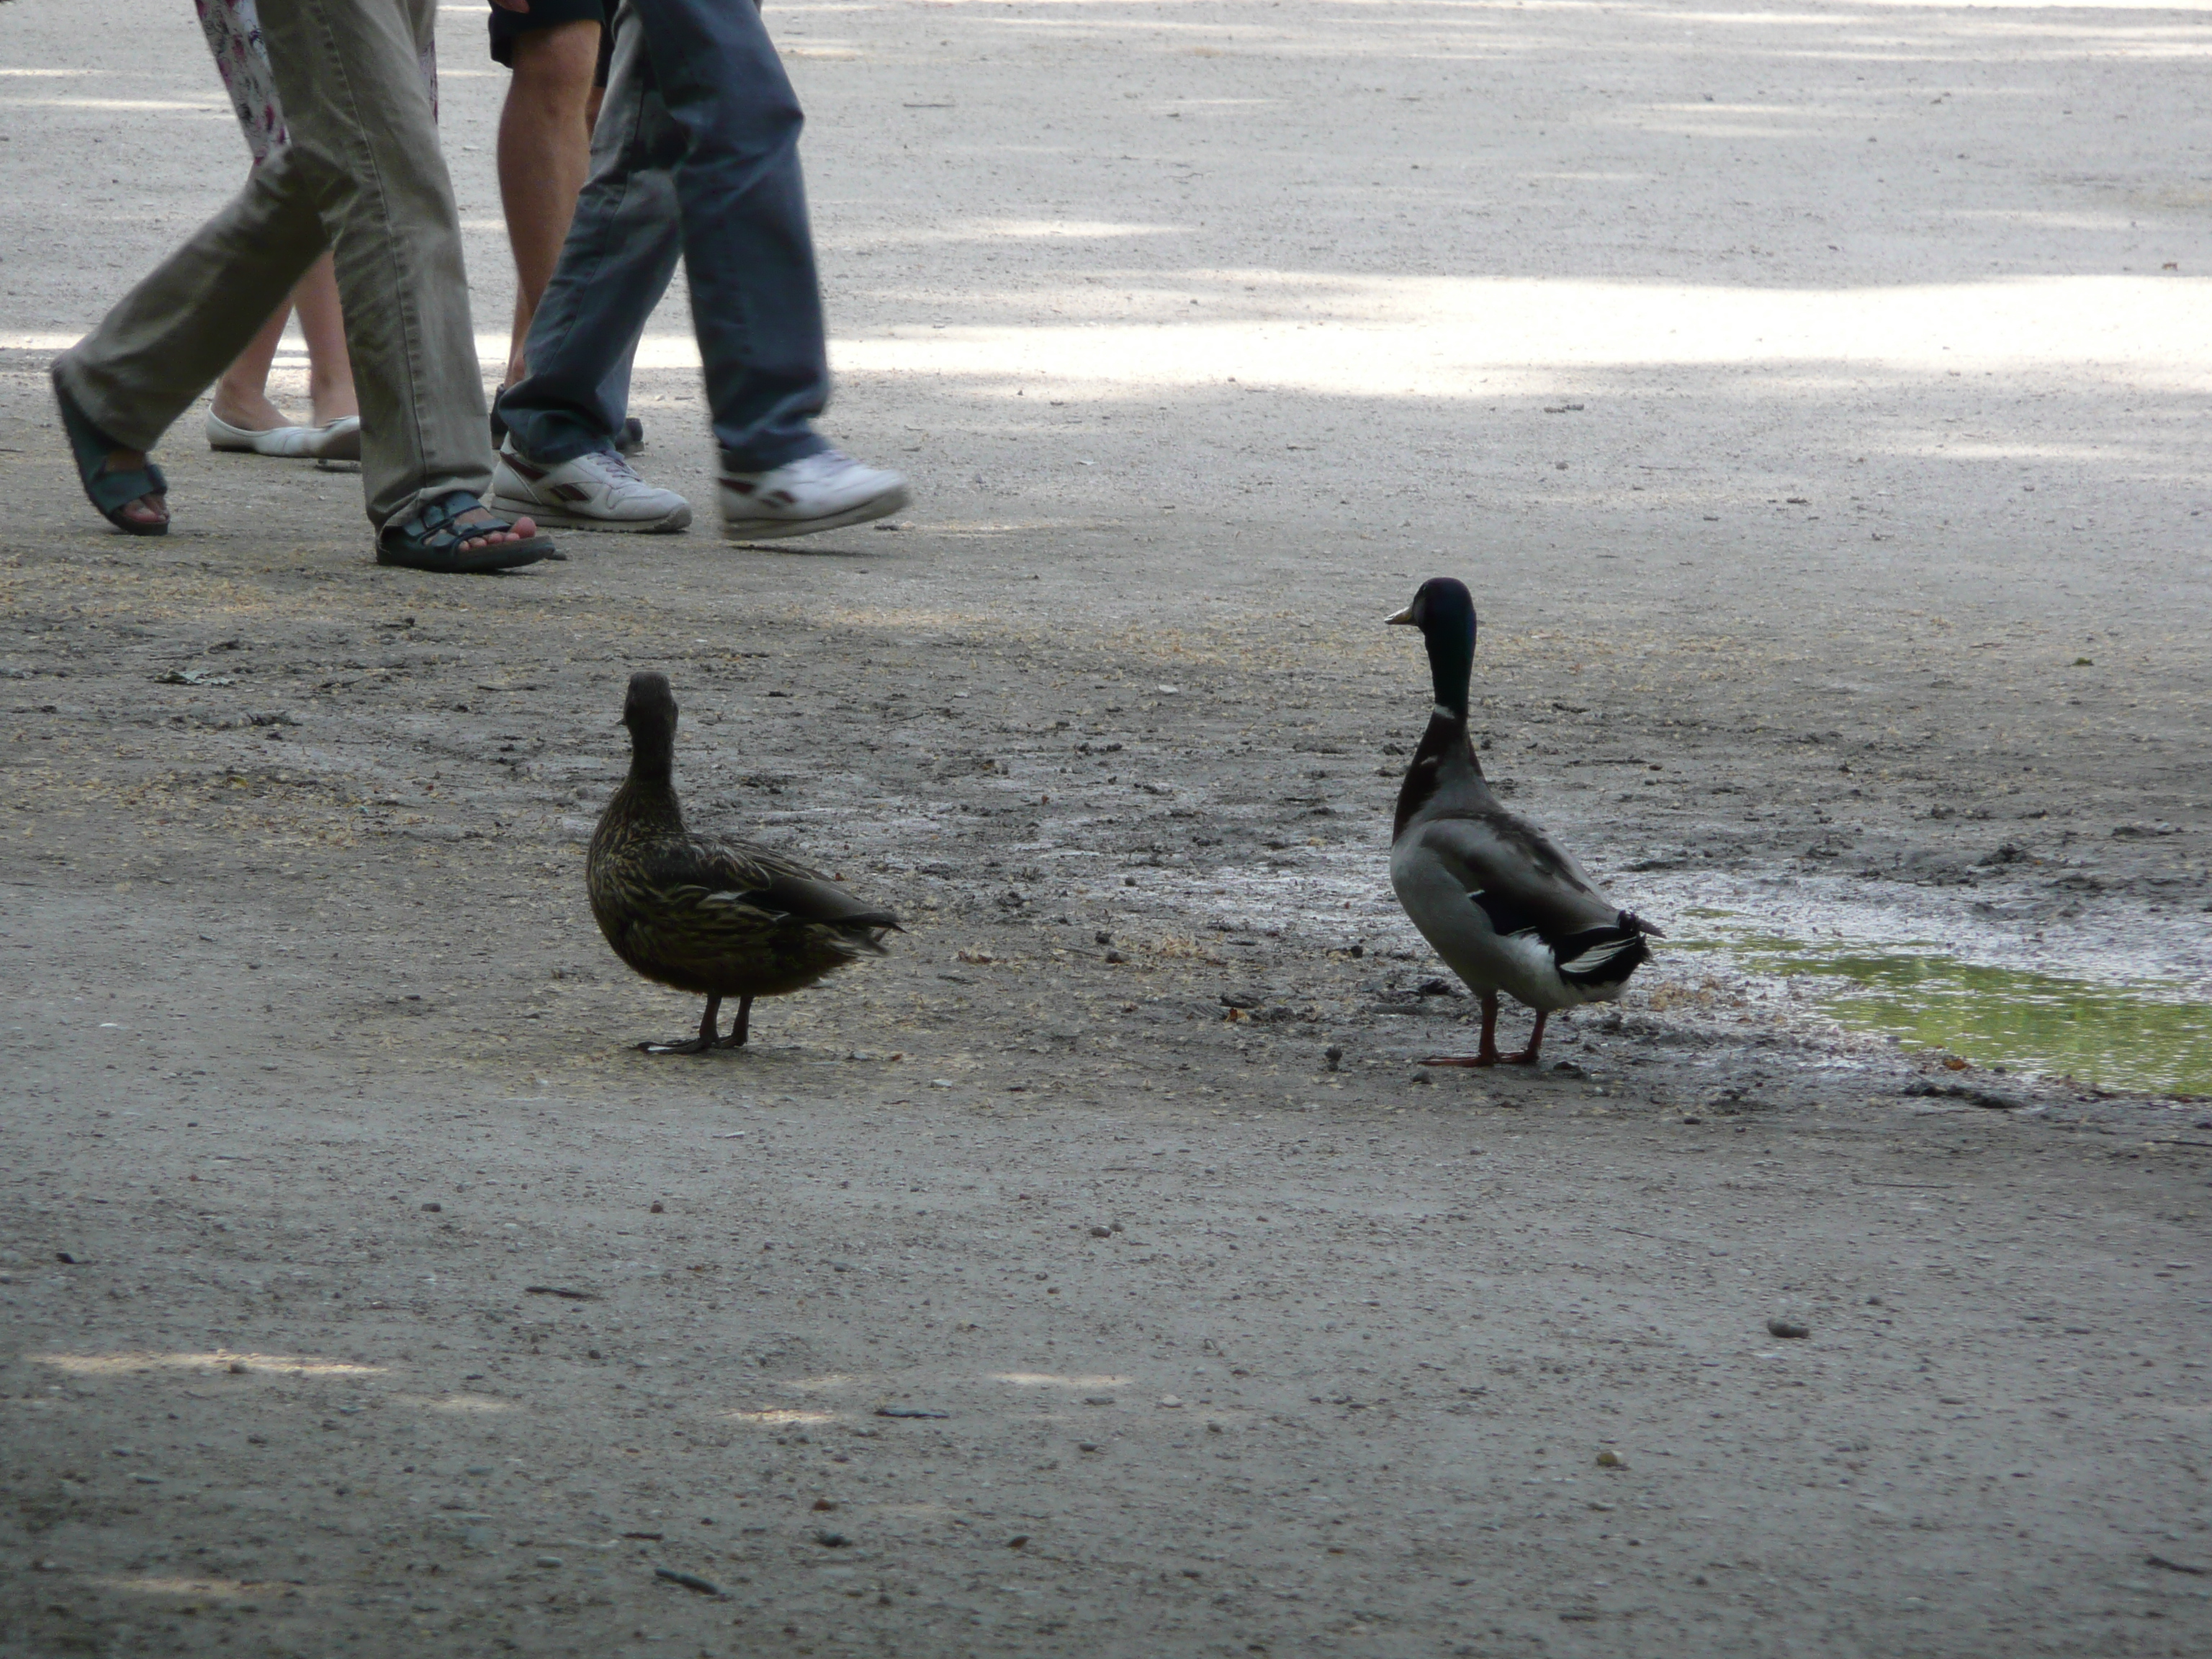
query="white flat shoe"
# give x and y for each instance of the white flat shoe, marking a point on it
(337, 440)
(285, 442)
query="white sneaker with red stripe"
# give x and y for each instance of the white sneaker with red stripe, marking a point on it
(816, 492)
(597, 491)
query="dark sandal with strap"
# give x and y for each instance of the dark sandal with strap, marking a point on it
(432, 538)
(109, 491)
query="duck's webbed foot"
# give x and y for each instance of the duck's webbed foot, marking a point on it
(1527, 1055)
(1485, 1053)
(704, 1043)
(737, 1032)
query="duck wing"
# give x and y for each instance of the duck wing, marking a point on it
(1525, 881)
(693, 908)
(735, 875)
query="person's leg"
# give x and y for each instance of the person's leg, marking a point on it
(615, 266)
(158, 349)
(748, 251)
(322, 323)
(362, 131)
(241, 393)
(544, 153)
(167, 339)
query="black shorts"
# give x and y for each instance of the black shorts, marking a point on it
(543, 14)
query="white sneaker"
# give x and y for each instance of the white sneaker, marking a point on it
(597, 491)
(816, 492)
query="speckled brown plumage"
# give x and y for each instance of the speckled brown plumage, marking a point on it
(715, 918)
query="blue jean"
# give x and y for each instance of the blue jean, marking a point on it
(697, 151)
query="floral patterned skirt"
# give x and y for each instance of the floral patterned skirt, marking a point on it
(233, 28)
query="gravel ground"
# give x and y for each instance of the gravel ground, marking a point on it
(1098, 1275)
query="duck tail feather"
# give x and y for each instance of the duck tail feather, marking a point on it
(1601, 956)
(866, 932)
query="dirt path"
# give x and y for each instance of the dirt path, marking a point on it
(317, 1067)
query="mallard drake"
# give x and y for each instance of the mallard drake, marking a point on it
(1505, 906)
(715, 918)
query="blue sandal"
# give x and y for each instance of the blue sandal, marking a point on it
(431, 540)
(110, 491)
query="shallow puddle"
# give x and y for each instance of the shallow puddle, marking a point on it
(2113, 1036)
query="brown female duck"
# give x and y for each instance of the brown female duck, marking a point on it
(715, 918)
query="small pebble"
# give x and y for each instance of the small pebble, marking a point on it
(1610, 1459)
(1098, 1399)
(1786, 1328)
(549, 1561)
(1170, 1401)
(433, 1208)
(691, 1581)
(658, 1208)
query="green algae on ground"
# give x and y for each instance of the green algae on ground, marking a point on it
(2112, 1035)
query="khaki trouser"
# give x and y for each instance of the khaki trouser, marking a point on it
(363, 173)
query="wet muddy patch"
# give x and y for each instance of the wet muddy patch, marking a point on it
(2139, 1036)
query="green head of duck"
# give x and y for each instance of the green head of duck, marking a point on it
(1444, 612)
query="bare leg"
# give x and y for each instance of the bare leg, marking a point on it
(737, 1032)
(698, 1045)
(329, 370)
(1527, 1055)
(1486, 1052)
(241, 396)
(544, 151)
